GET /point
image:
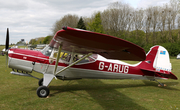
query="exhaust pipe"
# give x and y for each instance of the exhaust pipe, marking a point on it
(22, 74)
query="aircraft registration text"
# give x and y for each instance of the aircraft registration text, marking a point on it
(113, 67)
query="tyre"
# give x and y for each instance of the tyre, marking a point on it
(42, 91)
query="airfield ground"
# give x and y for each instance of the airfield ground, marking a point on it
(18, 92)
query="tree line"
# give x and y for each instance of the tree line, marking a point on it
(157, 25)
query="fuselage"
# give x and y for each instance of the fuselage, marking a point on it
(95, 66)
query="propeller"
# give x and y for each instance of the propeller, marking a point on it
(7, 45)
(7, 39)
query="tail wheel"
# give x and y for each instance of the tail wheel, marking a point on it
(43, 91)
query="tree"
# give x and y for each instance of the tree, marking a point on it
(144, 27)
(47, 39)
(81, 24)
(96, 25)
(32, 41)
(67, 20)
(138, 21)
(154, 13)
(35, 41)
(117, 19)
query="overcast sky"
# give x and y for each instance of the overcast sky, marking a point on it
(27, 19)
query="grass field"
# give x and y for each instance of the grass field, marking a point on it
(18, 92)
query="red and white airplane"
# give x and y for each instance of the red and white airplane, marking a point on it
(76, 54)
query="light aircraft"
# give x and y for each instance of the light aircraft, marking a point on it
(76, 54)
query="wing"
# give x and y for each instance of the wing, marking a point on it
(81, 41)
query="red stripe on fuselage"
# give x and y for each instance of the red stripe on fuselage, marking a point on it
(24, 54)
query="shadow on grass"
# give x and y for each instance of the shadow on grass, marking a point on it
(105, 95)
(169, 85)
(109, 98)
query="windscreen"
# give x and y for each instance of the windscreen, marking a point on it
(47, 50)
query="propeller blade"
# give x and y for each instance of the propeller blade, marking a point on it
(7, 39)
(7, 46)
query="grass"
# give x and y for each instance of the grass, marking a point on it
(18, 92)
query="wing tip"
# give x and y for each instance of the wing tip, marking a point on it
(64, 27)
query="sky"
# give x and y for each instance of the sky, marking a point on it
(28, 19)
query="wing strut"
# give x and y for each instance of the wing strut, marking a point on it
(57, 59)
(73, 63)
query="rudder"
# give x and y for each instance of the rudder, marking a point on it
(162, 61)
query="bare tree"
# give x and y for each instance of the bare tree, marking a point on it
(106, 20)
(178, 28)
(138, 16)
(174, 4)
(154, 21)
(170, 10)
(162, 22)
(67, 20)
(147, 24)
(116, 19)
(175, 8)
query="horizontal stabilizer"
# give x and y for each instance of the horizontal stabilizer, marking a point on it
(167, 75)
(164, 74)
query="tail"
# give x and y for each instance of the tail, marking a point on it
(157, 63)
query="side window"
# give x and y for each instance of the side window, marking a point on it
(86, 60)
(65, 56)
(68, 58)
(76, 57)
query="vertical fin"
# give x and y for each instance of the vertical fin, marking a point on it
(157, 59)
(157, 63)
(150, 59)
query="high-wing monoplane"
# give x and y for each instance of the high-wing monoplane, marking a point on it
(76, 54)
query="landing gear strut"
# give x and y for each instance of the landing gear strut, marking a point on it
(160, 84)
(40, 83)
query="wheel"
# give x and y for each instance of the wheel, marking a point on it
(42, 91)
(40, 83)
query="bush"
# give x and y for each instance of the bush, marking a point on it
(173, 48)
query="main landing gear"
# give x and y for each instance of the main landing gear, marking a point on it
(43, 90)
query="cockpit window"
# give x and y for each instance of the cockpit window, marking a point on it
(68, 57)
(47, 50)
